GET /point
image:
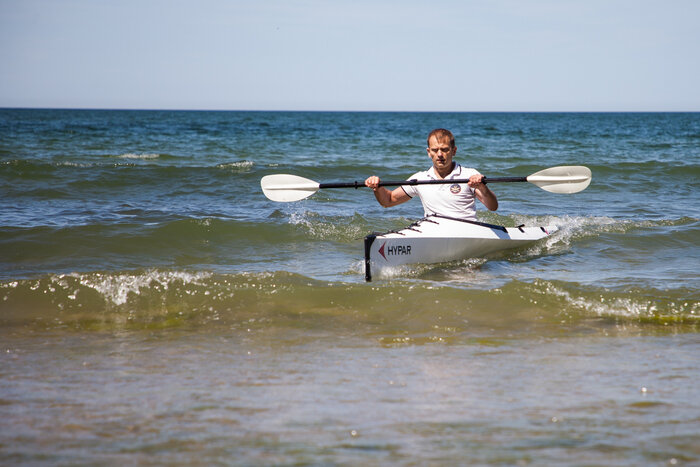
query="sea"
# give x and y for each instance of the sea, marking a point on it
(157, 309)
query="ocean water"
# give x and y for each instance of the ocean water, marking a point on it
(156, 308)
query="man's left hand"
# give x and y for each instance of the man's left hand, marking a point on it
(476, 181)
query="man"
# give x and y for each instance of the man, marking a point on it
(452, 200)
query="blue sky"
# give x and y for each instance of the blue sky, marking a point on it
(437, 55)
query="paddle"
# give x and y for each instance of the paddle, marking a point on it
(562, 179)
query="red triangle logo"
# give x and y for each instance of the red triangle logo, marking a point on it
(381, 250)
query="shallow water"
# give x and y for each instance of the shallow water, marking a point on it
(598, 394)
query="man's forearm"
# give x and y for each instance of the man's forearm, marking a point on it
(488, 198)
(383, 196)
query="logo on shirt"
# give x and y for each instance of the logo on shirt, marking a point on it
(454, 189)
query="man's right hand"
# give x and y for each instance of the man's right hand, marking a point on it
(373, 182)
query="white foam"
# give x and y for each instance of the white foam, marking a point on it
(571, 229)
(116, 288)
(239, 166)
(328, 227)
(139, 156)
(614, 306)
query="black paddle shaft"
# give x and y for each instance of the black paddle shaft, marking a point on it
(357, 184)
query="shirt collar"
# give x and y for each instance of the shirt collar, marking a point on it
(456, 171)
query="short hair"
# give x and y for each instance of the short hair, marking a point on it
(440, 133)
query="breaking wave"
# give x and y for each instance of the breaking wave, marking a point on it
(156, 299)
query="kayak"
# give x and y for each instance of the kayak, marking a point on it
(438, 239)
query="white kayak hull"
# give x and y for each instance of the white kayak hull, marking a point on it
(438, 239)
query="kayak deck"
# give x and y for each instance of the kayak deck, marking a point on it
(437, 239)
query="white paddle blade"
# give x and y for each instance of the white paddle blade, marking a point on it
(563, 179)
(286, 188)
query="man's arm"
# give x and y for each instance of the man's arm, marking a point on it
(483, 193)
(385, 197)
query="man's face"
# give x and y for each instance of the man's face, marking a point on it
(441, 153)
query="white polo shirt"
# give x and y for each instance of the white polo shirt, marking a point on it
(453, 200)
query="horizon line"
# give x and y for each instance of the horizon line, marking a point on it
(149, 109)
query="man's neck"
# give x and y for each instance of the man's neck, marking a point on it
(446, 171)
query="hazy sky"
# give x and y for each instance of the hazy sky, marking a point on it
(441, 55)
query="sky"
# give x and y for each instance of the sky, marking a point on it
(410, 55)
